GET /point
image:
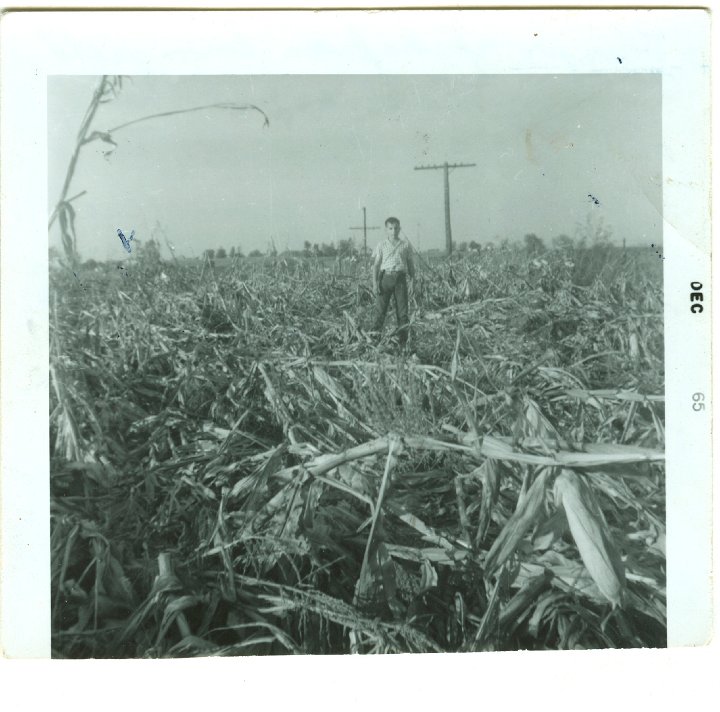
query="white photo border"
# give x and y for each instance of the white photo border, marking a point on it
(35, 45)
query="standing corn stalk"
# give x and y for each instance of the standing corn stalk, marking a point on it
(64, 211)
(106, 91)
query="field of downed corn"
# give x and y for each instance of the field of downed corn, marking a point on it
(237, 469)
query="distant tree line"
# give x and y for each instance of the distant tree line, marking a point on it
(592, 235)
(341, 248)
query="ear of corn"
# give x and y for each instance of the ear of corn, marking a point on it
(591, 535)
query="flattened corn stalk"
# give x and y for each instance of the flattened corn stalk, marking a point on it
(256, 456)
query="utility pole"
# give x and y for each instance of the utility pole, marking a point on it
(446, 175)
(364, 228)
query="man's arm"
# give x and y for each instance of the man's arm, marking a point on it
(376, 270)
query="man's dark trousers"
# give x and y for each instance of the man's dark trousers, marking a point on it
(393, 284)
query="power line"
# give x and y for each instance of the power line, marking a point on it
(446, 176)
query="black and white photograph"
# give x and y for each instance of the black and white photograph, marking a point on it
(365, 357)
(356, 364)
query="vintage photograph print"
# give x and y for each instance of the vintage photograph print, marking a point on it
(356, 363)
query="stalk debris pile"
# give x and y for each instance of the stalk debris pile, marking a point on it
(236, 468)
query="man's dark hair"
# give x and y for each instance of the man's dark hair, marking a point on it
(392, 221)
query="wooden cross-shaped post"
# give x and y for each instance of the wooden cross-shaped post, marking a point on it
(365, 228)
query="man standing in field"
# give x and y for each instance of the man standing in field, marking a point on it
(392, 267)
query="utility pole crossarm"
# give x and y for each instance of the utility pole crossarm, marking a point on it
(448, 165)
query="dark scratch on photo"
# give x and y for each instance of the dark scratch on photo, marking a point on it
(657, 251)
(79, 282)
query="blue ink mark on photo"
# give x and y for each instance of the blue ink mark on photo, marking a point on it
(126, 240)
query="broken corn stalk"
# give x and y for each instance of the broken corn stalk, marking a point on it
(590, 532)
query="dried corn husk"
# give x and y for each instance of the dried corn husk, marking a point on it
(526, 515)
(590, 532)
(490, 476)
(633, 345)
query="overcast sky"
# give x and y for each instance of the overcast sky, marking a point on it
(215, 178)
